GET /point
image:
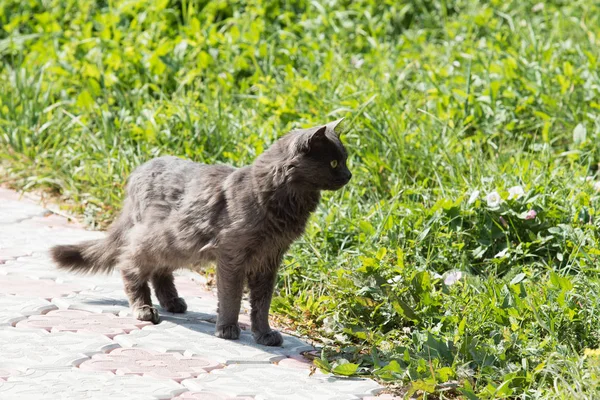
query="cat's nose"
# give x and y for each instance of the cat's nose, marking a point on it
(348, 176)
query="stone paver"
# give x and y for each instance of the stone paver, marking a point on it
(108, 325)
(114, 302)
(6, 373)
(150, 363)
(31, 266)
(199, 339)
(37, 266)
(26, 238)
(74, 384)
(42, 288)
(72, 336)
(209, 396)
(16, 211)
(16, 308)
(37, 348)
(278, 382)
(187, 287)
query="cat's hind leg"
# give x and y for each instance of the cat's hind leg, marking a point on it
(138, 292)
(163, 283)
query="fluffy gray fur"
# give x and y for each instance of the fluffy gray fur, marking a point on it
(178, 213)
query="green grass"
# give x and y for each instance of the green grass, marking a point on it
(443, 99)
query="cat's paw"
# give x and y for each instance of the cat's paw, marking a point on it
(230, 332)
(147, 313)
(271, 338)
(175, 305)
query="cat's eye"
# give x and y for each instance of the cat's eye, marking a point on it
(333, 163)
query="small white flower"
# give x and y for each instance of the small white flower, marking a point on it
(515, 192)
(597, 186)
(538, 7)
(474, 196)
(356, 62)
(501, 254)
(493, 199)
(452, 278)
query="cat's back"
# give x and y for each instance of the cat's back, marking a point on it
(165, 181)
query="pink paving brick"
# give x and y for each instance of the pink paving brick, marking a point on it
(189, 287)
(208, 396)
(244, 321)
(83, 321)
(4, 374)
(295, 362)
(7, 194)
(150, 363)
(7, 373)
(53, 221)
(44, 288)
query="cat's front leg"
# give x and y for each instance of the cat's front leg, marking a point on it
(230, 286)
(261, 284)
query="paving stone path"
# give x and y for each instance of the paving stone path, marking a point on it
(66, 336)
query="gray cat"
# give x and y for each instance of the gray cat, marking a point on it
(179, 213)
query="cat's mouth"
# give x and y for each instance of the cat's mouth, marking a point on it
(339, 183)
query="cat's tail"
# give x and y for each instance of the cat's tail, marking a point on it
(92, 256)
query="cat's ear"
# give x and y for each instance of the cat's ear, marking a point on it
(318, 135)
(310, 138)
(336, 126)
(313, 138)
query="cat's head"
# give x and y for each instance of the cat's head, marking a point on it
(318, 158)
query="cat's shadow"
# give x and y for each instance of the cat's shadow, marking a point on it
(191, 317)
(205, 324)
(108, 302)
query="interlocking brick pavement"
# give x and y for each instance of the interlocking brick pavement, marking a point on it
(20, 348)
(75, 384)
(209, 396)
(16, 308)
(67, 336)
(106, 324)
(280, 382)
(198, 339)
(41, 288)
(150, 363)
